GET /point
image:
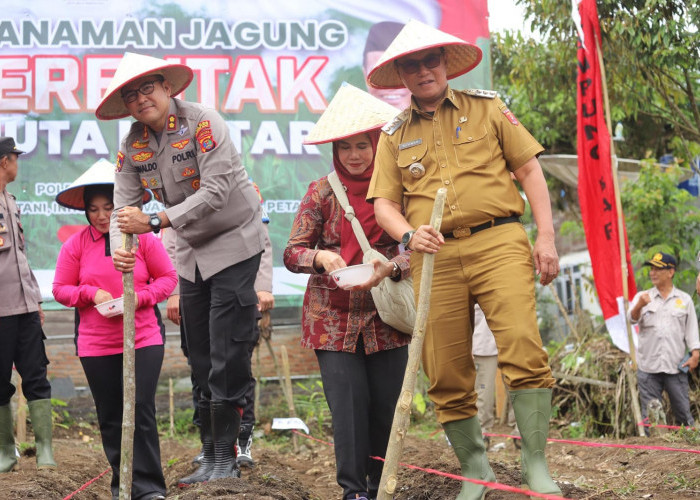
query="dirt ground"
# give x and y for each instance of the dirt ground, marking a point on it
(583, 472)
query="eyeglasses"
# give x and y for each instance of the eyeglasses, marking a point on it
(413, 65)
(146, 88)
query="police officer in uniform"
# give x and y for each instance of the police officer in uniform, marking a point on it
(468, 142)
(21, 318)
(183, 152)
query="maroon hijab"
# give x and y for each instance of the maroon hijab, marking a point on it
(356, 187)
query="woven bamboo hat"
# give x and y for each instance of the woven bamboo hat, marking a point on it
(414, 37)
(101, 172)
(135, 66)
(351, 111)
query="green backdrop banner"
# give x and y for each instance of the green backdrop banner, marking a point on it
(268, 67)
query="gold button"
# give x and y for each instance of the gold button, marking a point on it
(453, 207)
(469, 138)
(443, 165)
(447, 182)
(414, 157)
(439, 143)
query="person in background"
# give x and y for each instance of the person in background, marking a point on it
(668, 330)
(379, 37)
(85, 278)
(21, 320)
(468, 142)
(361, 358)
(485, 354)
(183, 152)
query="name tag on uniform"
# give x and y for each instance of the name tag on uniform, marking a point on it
(410, 144)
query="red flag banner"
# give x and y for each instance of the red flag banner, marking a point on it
(595, 182)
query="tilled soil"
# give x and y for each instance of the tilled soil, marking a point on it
(583, 472)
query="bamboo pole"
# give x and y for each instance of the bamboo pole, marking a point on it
(563, 310)
(621, 242)
(280, 378)
(288, 385)
(128, 380)
(402, 417)
(21, 424)
(171, 406)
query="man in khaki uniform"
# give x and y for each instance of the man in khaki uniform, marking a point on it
(468, 142)
(21, 319)
(669, 343)
(183, 152)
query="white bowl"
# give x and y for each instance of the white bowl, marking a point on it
(350, 276)
(113, 307)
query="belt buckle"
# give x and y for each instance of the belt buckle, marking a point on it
(461, 232)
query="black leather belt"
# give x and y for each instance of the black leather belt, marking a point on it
(462, 232)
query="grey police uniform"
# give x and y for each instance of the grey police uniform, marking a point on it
(195, 171)
(22, 339)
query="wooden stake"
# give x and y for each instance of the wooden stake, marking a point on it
(280, 378)
(288, 385)
(21, 424)
(128, 380)
(171, 406)
(402, 414)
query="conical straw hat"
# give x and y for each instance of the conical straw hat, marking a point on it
(414, 37)
(101, 172)
(351, 111)
(132, 67)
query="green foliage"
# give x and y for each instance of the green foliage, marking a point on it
(661, 217)
(419, 403)
(311, 405)
(651, 51)
(182, 420)
(60, 415)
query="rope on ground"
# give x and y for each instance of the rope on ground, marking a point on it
(71, 495)
(493, 486)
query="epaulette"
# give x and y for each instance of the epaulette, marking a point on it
(398, 120)
(489, 94)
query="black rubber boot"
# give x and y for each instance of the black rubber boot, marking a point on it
(225, 423)
(206, 466)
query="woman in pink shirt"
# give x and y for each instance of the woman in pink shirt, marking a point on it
(85, 277)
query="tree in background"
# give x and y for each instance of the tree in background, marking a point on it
(661, 218)
(651, 50)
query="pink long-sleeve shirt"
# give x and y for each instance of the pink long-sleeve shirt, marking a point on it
(83, 268)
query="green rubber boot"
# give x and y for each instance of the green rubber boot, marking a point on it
(40, 415)
(533, 408)
(8, 458)
(468, 444)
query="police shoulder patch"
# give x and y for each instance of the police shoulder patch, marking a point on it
(488, 94)
(398, 120)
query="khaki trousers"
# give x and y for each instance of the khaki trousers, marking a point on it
(494, 268)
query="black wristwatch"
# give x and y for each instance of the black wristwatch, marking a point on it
(406, 238)
(155, 222)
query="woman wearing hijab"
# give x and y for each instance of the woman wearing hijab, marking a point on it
(362, 359)
(86, 277)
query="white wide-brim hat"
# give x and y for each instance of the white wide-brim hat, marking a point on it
(100, 173)
(415, 36)
(351, 111)
(131, 68)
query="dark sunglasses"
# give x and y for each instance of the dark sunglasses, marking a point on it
(413, 65)
(146, 88)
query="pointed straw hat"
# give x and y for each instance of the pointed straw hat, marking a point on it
(101, 172)
(414, 37)
(131, 68)
(351, 111)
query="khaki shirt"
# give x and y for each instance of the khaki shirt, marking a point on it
(469, 145)
(196, 172)
(20, 289)
(667, 329)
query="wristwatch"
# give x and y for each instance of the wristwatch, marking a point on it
(406, 238)
(155, 222)
(396, 272)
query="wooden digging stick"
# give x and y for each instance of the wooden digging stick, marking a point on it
(288, 392)
(128, 380)
(402, 414)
